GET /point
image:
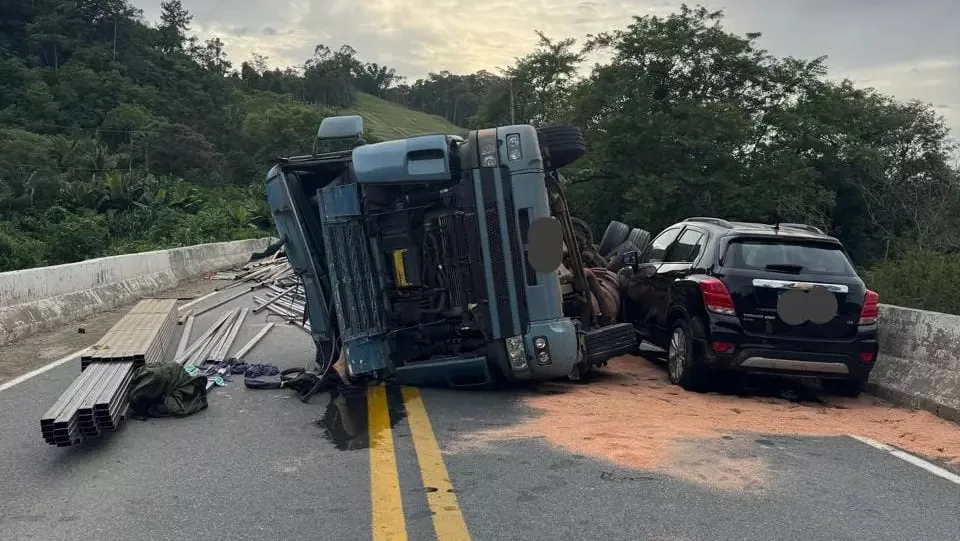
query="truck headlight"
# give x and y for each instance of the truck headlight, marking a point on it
(514, 152)
(487, 141)
(516, 353)
(541, 350)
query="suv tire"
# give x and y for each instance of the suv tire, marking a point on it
(614, 236)
(684, 362)
(562, 144)
(851, 388)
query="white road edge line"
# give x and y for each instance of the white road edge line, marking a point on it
(916, 461)
(20, 379)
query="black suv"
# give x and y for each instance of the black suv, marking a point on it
(707, 291)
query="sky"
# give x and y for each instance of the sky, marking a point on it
(907, 48)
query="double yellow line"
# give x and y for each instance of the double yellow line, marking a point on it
(388, 519)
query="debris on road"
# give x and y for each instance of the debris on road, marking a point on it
(166, 390)
(287, 297)
(659, 426)
(96, 401)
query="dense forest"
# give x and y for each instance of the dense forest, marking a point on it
(118, 135)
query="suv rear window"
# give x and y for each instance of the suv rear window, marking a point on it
(787, 257)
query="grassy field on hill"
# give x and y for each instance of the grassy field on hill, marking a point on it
(387, 120)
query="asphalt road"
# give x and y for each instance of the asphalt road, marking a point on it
(388, 463)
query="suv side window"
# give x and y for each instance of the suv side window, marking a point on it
(688, 248)
(659, 246)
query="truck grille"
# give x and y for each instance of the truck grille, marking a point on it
(500, 266)
(360, 310)
(462, 258)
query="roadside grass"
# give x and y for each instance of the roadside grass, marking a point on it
(385, 120)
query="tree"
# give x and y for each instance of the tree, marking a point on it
(212, 57)
(174, 26)
(330, 76)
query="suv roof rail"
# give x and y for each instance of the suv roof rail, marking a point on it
(715, 221)
(805, 227)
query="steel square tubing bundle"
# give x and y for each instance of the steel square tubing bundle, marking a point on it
(140, 336)
(99, 410)
(65, 421)
(97, 399)
(110, 407)
(65, 404)
(106, 382)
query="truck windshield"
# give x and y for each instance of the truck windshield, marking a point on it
(787, 257)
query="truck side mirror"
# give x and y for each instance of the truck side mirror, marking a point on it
(630, 258)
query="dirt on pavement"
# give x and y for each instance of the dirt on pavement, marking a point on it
(631, 415)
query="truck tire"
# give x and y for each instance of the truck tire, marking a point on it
(640, 238)
(561, 145)
(614, 236)
(582, 230)
(613, 260)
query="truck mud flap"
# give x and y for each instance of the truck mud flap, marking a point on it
(608, 342)
(456, 373)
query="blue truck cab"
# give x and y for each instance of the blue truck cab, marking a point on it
(415, 255)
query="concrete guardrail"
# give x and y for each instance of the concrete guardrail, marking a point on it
(33, 300)
(919, 361)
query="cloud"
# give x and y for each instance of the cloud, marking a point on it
(907, 49)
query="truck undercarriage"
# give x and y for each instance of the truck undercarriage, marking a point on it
(416, 256)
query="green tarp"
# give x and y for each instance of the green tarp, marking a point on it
(166, 390)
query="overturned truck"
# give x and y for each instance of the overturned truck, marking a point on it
(447, 260)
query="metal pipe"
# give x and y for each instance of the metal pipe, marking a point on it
(206, 336)
(222, 353)
(273, 299)
(215, 342)
(198, 300)
(291, 318)
(185, 337)
(224, 300)
(253, 341)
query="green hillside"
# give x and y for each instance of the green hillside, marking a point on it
(385, 120)
(118, 136)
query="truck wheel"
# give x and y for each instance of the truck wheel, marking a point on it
(684, 361)
(582, 229)
(614, 236)
(563, 144)
(613, 260)
(851, 388)
(640, 238)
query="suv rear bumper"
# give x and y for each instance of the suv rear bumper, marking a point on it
(822, 359)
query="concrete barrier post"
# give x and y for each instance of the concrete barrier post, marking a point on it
(919, 361)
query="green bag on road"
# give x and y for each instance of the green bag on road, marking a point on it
(166, 390)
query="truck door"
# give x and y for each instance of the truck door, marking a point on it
(290, 209)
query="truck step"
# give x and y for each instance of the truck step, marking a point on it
(608, 342)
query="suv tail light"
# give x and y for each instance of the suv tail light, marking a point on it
(716, 297)
(871, 308)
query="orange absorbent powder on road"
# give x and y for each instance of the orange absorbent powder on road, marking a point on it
(632, 416)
